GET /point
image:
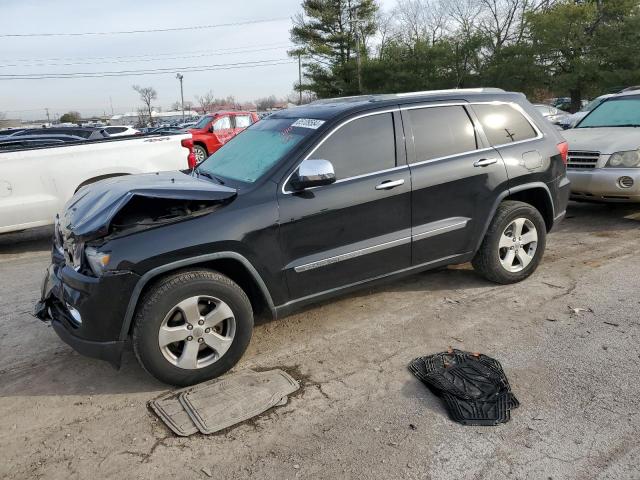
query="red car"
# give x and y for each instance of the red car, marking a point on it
(215, 129)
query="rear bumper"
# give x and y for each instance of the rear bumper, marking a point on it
(87, 313)
(603, 185)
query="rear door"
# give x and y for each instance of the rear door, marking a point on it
(455, 177)
(355, 229)
(240, 122)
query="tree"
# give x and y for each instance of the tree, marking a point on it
(206, 101)
(574, 41)
(147, 96)
(331, 34)
(70, 117)
(263, 104)
(177, 105)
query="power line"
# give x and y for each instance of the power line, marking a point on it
(276, 44)
(180, 57)
(159, 71)
(154, 30)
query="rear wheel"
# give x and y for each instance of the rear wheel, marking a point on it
(192, 326)
(200, 153)
(514, 244)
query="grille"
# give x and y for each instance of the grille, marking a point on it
(582, 160)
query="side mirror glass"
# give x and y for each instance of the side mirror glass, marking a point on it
(313, 173)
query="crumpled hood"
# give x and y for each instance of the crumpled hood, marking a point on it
(90, 211)
(606, 140)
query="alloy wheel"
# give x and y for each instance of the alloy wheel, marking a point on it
(197, 332)
(518, 244)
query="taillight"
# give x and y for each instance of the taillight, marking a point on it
(191, 158)
(563, 148)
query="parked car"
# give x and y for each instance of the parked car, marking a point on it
(38, 176)
(604, 151)
(85, 132)
(306, 204)
(121, 131)
(572, 119)
(213, 131)
(552, 114)
(26, 141)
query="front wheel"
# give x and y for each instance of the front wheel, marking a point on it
(192, 326)
(200, 153)
(514, 244)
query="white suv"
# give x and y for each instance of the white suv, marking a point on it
(604, 151)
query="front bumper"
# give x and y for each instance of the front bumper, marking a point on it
(603, 185)
(86, 312)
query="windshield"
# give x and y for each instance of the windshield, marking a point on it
(250, 154)
(623, 112)
(203, 121)
(593, 104)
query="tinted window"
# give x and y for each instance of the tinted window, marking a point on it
(504, 124)
(362, 146)
(243, 121)
(113, 130)
(441, 131)
(222, 124)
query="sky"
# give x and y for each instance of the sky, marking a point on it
(175, 50)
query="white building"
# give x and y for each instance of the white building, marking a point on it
(132, 118)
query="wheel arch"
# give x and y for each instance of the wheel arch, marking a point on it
(231, 264)
(536, 194)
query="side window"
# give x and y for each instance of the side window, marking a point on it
(503, 124)
(441, 131)
(243, 121)
(222, 123)
(365, 145)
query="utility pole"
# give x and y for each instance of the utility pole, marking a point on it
(111, 103)
(180, 77)
(300, 76)
(48, 119)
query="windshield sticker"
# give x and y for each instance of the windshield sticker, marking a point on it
(308, 123)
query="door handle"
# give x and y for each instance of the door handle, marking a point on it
(485, 162)
(389, 184)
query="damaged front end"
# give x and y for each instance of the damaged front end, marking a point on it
(83, 295)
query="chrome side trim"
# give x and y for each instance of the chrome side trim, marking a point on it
(372, 279)
(439, 227)
(349, 255)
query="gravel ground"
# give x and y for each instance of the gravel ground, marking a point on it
(576, 376)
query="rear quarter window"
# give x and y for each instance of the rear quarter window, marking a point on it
(503, 124)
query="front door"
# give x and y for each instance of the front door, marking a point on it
(357, 228)
(455, 177)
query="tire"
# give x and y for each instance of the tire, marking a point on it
(200, 153)
(519, 258)
(173, 309)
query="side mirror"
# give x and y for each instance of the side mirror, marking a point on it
(212, 128)
(313, 173)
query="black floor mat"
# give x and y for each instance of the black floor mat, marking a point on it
(473, 386)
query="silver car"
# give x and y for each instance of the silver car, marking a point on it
(604, 151)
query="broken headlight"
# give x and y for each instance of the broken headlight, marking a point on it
(97, 260)
(627, 159)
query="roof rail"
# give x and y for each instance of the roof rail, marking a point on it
(451, 90)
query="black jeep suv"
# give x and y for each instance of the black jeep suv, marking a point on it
(308, 203)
